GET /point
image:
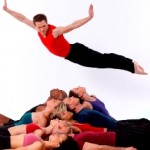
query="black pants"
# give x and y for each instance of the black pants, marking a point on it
(4, 131)
(87, 57)
(134, 133)
(5, 142)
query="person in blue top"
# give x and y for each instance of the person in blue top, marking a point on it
(85, 97)
(73, 110)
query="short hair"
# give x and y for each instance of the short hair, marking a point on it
(39, 18)
(68, 144)
(58, 94)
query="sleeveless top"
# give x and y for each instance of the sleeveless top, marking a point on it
(30, 128)
(30, 139)
(25, 119)
(58, 46)
(100, 138)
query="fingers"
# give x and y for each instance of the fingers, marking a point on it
(5, 3)
(91, 12)
(91, 6)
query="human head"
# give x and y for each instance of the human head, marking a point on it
(71, 102)
(40, 23)
(57, 138)
(77, 92)
(62, 113)
(58, 94)
(62, 127)
(52, 103)
(68, 144)
(39, 18)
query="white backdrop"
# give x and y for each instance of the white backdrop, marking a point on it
(28, 71)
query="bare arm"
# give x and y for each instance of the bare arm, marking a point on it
(35, 146)
(39, 132)
(91, 146)
(76, 24)
(18, 16)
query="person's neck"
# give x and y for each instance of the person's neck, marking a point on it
(87, 97)
(78, 108)
(48, 129)
(46, 113)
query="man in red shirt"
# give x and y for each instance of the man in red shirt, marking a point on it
(53, 39)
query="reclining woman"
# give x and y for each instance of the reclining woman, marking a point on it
(59, 141)
(9, 139)
(85, 97)
(80, 114)
(31, 128)
(22, 140)
(131, 132)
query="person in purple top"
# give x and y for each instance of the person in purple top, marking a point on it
(98, 105)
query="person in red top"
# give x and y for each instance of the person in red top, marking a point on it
(87, 127)
(53, 39)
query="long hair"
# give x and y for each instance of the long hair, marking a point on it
(68, 144)
(72, 93)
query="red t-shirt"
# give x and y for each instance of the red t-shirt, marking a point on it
(87, 127)
(101, 138)
(58, 46)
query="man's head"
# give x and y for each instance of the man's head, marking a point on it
(58, 94)
(40, 22)
(71, 102)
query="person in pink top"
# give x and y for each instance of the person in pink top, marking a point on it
(23, 140)
(53, 39)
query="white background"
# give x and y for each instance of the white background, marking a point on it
(28, 71)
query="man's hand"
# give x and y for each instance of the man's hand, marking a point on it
(91, 12)
(5, 5)
(139, 69)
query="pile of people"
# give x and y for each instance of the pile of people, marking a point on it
(76, 121)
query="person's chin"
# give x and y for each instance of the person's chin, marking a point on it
(69, 116)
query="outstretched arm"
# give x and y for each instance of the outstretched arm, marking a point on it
(18, 16)
(76, 24)
(91, 146)
(36, 145)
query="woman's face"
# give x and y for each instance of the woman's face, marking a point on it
(79, 91)
(61, 128)
(65, 115)
(71, 102)
(57, 138)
